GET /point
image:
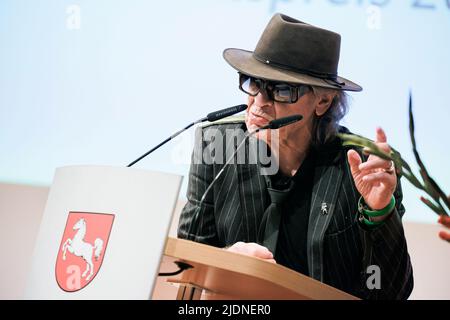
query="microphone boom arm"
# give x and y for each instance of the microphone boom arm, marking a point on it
(167, 140)
(212, 116)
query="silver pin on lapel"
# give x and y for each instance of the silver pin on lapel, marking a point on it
(324, 208)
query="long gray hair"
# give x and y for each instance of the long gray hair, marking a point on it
(327, 125)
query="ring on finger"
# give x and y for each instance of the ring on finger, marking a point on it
(391, 169)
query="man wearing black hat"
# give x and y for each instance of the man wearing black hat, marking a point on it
(326, 213)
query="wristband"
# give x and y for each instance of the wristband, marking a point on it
(369, 223)
(364, 209)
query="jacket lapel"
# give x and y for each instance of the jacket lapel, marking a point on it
(252, 193)
(327, 179)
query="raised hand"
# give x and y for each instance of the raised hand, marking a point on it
(375, 179)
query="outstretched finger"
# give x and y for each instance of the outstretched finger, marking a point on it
(381, 141)
(381, 135)
(354, 160)
(375, 163)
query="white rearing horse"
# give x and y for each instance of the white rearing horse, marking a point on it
(78, 247)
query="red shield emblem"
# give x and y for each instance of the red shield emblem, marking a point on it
(82, 249)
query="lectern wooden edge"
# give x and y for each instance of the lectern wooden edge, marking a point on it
(218, 274)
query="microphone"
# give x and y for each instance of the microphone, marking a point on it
(278, 123)
(274, 124)
(212, 116)
(220, 114)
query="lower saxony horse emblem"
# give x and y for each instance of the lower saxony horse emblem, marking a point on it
(82, 249)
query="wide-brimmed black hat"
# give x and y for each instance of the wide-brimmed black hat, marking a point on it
(295, 52)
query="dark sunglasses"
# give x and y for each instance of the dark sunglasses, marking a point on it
(276, 91)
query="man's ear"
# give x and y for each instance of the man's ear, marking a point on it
(324, 103)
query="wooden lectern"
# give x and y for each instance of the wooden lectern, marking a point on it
(218, 274)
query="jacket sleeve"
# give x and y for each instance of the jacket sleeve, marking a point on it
(385, 247)
(197, 221)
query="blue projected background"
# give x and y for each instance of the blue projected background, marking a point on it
(101, 82)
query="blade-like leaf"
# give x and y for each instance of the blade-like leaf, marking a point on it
(432, 206)
(435, 191)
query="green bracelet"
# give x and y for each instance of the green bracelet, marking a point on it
(364, 209)
(371, 223)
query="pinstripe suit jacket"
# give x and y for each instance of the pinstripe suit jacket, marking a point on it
(339, 248)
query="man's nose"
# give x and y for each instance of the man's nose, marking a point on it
(262, 99)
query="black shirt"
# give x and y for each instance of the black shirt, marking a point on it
(291, 249)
